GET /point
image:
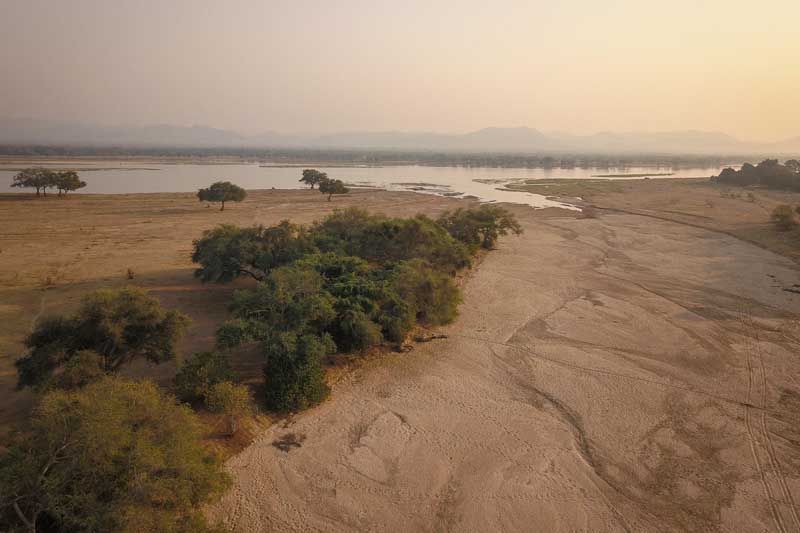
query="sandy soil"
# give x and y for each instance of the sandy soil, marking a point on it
(622, 373)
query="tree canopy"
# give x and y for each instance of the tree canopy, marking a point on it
(222, 191)
(115, 455)
(331, 187)
(117, 325)
(347, 283)
(313, 177)
(768, 173)
(42, 179)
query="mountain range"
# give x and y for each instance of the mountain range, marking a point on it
(519, 139)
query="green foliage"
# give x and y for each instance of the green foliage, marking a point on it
(85, 367)
(222, 191)
(294, 377)
(67, 181)
(116, 455)
(119, 325)
(42, 179)
(383, 240)
(769, 173)
(231, 400)
(480, 227)
(348, 283)
(227, 252)
(783, 217)
(432, 297)
(331, 187)
(199, 374)
(313, 177)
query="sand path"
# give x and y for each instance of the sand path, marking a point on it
(610, 374)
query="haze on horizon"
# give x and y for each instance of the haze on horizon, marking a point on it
(449, 66)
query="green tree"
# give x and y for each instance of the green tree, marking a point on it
(294, 376)
(480, 227)
(222, 191)
(85, 367)
(331, 187)
(227, 252)
(116, 455)
(793, 165)
(119, 325)
(313, 177)
(35, 178)
(432, 296)
(198, 375)
(67, 181)
(232, 401)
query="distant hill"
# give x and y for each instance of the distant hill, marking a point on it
(517, 139)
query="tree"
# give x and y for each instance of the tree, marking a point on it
(480, 227)
(119, 325)
(294, 377)
(313, 177)
(331, 187)
(35, 178)
(232, 401)
(793, 165)
(116, 455)
(222, 191)
(197, 376)
(67, 181)
(227, 251)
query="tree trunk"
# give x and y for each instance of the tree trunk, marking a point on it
(223, 207)
(329, 196)
(37, 191)
(29, 524)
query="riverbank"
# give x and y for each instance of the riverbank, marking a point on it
(614, 373)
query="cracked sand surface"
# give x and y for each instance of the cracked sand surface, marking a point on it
(611, 374)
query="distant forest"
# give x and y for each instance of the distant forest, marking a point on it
(365, 157)
(768, 173)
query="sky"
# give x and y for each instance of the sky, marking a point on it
(308, 66)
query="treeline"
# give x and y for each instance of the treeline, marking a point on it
(345, 284)
(768, 173)
(377, 157)
(105, 453)
(42, 179)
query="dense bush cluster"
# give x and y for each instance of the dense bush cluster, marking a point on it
(769, 173)
(349, 282)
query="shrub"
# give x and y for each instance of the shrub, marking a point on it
(85, 367)
(198, 375)
(294, 377)
(431, 295)
(119, 325)
(783, 217)
(116, 455)
(480, 227)
(231, 400)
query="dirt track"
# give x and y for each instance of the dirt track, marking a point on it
(613, 374)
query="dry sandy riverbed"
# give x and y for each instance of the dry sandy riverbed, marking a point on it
(622, 373)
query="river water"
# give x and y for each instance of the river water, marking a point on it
(115, 177)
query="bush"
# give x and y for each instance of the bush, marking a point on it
(294, 377)
(783, 217)
(85, 367)
(432, 296)
(480, 227)
(231, 400)
(197, 376)
(119, 325)
(116, 455)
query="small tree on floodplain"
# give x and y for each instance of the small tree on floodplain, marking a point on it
(783, 217)
(67, 181)
(35, 178)
(331, 187)
(313, 177)
(222, 191)
(230, 400)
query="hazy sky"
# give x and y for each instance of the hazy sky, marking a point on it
(442, 65)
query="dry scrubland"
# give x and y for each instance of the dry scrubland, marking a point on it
(633, 370)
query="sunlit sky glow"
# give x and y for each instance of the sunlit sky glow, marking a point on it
(446, 65)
